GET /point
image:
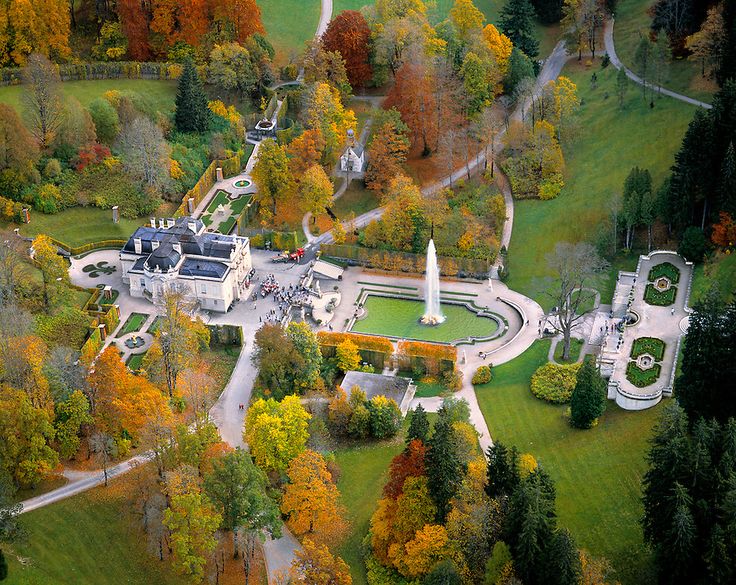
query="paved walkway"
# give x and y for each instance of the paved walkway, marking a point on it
(616, 62)
(665, 323)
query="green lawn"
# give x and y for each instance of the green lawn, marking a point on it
(357, 199)
(597, 472)
(427, 389)
(400, 318)
(133, 323)
(720, 272)
(575, 346)
(86, 540)
(364, 471)
(80, 225)
(632, 21)
(161, 93)
(135, 361)
(289, 23)
(611, 141)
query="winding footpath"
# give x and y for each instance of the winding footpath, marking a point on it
(616, 62)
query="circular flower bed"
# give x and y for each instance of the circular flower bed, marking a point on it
(555, 382)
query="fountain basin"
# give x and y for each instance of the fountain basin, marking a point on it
(400, 318)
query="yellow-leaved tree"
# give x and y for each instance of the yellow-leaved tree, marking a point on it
(429, 546)
(311, 501)
(276, 432)
(327, 113)
(466, 17)
(500, 45)
(316, 565)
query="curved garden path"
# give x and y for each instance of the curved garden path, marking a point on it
(616, 62)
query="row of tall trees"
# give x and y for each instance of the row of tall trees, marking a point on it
(703, 180)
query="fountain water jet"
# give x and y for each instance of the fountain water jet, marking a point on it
(432, 312)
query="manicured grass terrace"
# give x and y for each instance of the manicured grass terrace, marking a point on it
(289, 24)
(80, 225)
(400, 318)
(88, 539)
(160, 93)
(665, 269)
(133, 323)
(683, 75)
(597, 472)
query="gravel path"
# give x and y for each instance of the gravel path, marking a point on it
(616, 62)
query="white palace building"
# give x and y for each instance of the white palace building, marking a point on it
(177, 254)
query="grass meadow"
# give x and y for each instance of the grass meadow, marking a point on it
(597, 472)
(160, 93)
(611, 140)
(683, 75)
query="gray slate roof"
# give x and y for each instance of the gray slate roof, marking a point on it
(377, 385)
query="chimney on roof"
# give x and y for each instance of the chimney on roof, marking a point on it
(138, 245)
(153, 222)
(155, 244)
(177, 247)
(192, 225)
(170, 222)
(161, 223)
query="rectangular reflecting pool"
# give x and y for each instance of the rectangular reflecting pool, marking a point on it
(394, 317)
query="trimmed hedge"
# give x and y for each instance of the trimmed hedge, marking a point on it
(666, 269)
(651, 345)
(102, 70)
(435, 358)
(406, 261)
(642, 378)
(554, 382)
(373, 349)
(230, 167)
(658, 298)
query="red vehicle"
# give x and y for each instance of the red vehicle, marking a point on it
(287, 256)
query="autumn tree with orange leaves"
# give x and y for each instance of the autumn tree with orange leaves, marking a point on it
(412, 95)
(311, 501)
(348, 34)
(388, 150)
(120, 401)
(724, 232)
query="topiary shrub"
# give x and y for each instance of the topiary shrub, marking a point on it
(554, 382)
(482, 375)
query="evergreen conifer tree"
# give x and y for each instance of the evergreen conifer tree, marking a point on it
(503, 470)
(704, 388)
(517, 23)
(727, 195)
(3, 566)
(418, 426)
(443, 466)
(588, 400)
(192, 113)
(563, 560)
(530, 525)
